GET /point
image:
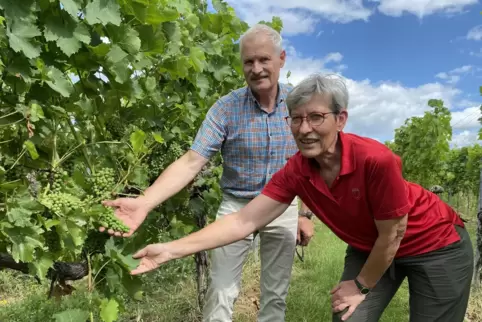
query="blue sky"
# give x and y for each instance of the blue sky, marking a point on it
(394, 54)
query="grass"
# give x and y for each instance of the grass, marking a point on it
(171, 297)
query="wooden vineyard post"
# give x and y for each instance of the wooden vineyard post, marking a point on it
(478, 248)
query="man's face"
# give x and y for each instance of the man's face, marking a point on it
(261, 62)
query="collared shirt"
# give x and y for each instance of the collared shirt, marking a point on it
(254, 144)
(369, 187)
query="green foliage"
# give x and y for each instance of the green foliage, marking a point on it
(97, 98)
(423, 144)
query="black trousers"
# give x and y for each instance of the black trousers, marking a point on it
(439, 283)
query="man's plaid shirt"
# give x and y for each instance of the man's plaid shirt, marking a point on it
(254, 144)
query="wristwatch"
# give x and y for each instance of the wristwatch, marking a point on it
(363, 290)
(306, 213)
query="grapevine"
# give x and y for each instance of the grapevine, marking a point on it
(86, 87)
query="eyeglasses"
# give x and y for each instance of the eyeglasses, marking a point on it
(314, 119)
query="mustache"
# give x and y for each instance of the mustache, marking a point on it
(258, 77)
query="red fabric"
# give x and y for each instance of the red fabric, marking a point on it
(369, 187)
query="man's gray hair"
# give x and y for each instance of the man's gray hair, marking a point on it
(329, 85)
(266, 30)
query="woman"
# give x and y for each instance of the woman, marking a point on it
(354, 185)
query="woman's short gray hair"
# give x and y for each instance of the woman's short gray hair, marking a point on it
(330, 84)
(266, 30)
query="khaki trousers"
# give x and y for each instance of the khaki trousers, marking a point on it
(277, 248)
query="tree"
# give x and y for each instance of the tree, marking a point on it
(423, 144)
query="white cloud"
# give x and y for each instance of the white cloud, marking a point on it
(302, 16)
(377, 109)
(421, 8)
(466, 119)
(475, 33)
(453, 76)
(465, 138)
(301, 66)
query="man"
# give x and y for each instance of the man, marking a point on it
(248, 127)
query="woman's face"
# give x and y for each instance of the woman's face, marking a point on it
(320, 136)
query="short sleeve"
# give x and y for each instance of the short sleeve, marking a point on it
(387, 189)
(282, 187)
(213, 131)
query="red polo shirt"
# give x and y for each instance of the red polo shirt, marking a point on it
(369, 187)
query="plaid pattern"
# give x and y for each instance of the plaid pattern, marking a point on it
(254, 144)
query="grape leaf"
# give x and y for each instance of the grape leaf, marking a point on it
(103, 12)
(68, 35)
(42, 265)
(19, 217)
(197, 59)
(71, 6)
(72, 315)
(58, 82)
(32, 151)
(24, 241)
(109, 310)
(137, 140)
(20, 35)
(127, 38)
(116, 54)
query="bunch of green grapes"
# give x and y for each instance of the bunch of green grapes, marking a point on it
(175, 151)
(16, 173)
(108, 220)
(95, 242)
(52, 240)
(157, 162)
(61, 202)
(103, 181)
(115, 127)
(55, 178)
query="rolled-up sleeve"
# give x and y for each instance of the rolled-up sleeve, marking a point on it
(213, 131)
(281, 187)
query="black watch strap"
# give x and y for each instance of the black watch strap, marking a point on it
(306, 213)
(363, 289)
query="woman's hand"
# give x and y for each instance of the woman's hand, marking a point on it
(346, 295)
(151, 257)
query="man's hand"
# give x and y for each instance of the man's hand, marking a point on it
(346, 295)
(306, 230)
(131, 211)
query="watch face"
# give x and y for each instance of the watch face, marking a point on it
(365, 291)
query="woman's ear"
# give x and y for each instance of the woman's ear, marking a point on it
(342, 118)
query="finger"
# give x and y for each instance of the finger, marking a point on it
(348, 313)
(340, 307)
(111, 232)
(140, 270)
(101, 229)
(335, 289)
(117, 234)
(140, 253)
(128, 234)
(111, 203)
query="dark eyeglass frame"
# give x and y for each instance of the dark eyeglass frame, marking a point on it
(289, 119)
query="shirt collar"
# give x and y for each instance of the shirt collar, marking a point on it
(348, 161)
(280, 95)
